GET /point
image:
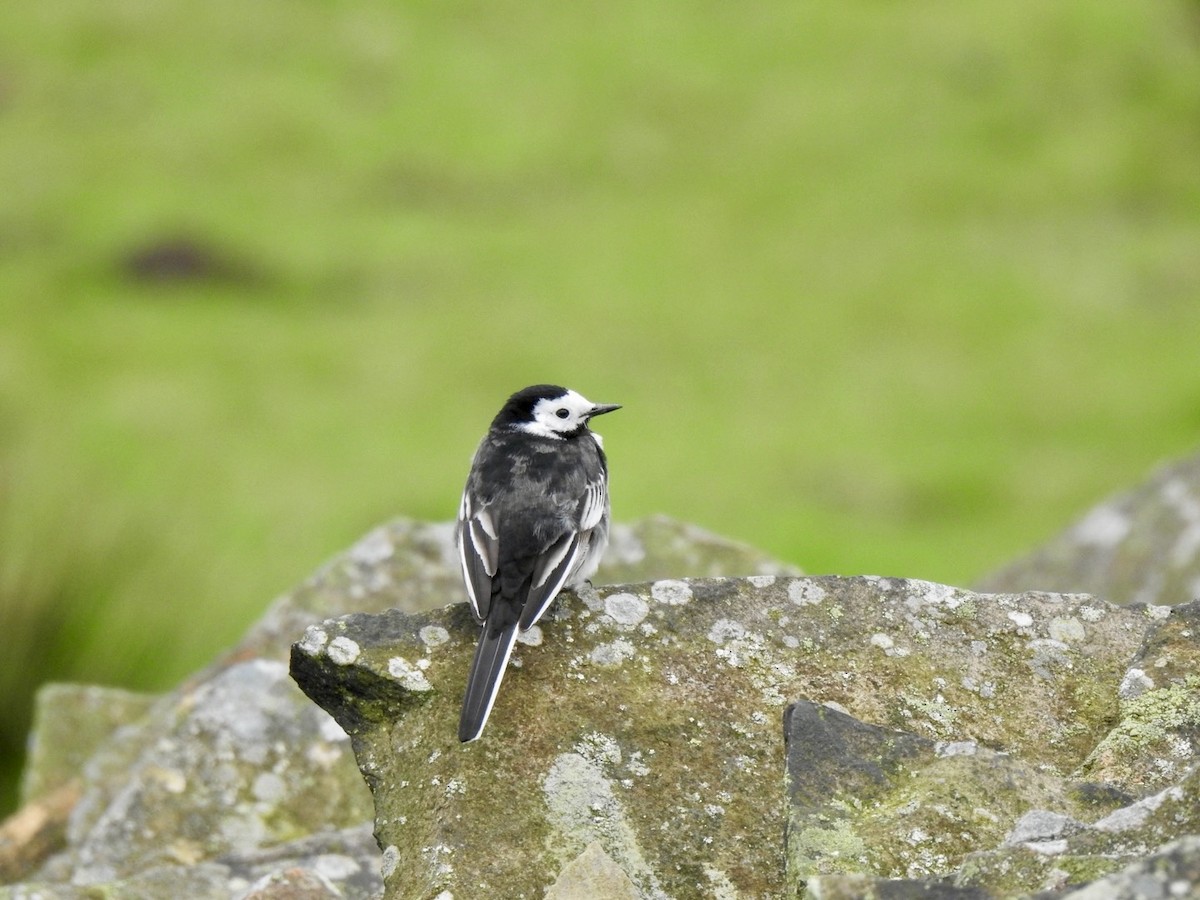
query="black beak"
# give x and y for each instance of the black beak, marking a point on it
(601, 408)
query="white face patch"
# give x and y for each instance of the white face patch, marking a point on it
(560, 416)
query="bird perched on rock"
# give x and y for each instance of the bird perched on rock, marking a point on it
(533, 520)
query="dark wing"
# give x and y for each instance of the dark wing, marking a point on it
(478, 550)
(564, 556)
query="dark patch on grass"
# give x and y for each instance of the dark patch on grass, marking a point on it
(184, 259)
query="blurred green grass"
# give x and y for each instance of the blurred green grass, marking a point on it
(889, 288)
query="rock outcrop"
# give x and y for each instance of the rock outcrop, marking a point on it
(235, 784)
(1140, 546)
(997, 744)
(710, 724)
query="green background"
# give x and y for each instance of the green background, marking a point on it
(893, 288)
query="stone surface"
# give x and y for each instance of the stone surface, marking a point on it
(1141, 546)
(879, 811)
(941, 743)
(342, 863)
(70, 721)
(592, 876)
(239, 763)
(1173, 871)
(413, 566)
(235, 784)
(646, 718)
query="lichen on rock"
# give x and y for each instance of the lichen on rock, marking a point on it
(665, 754)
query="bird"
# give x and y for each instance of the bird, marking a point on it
(533, 519)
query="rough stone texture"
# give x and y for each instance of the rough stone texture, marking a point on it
(413, 566)
(343, 863)
(1172, 871)
(1141, 546)
(70, 722)
(592, 875)
(235, 784)
(645, 718)
(941, 743)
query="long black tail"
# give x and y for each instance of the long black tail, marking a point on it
(483, 681)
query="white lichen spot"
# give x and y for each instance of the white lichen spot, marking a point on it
(342, 651)
(1067, 629)
(805, 593)
(531, 637)
(1102, 527)
(391, 859)
(1021, 619)
(882, 641)
(580, 801)
(336, 866)
(1135, 683)
(671, 592)
(790, 641)
(937, 594)
(1047, 848)
(725, 630)
(171, 780)
(331, 731)
(409, 676)
(323, 755)
(268, 788)
(761, 581)
(434, 635)
(626, 610)
(1091, 613)
(720, 884)
(955, 748)
(373, 549)
(314, 640)
(979, 648)
(636, 765)
(1157, 612)
(612, 654)
(599, 748)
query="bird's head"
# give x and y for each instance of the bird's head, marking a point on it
(548, 410)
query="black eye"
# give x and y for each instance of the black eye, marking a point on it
(562, 413)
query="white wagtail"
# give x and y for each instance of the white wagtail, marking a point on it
(534, 519)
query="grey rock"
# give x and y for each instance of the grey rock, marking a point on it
(70, 722)
(1171, 872)
(244, 763)
(941, 743)
(1140, 546)
(340, 863)
(1157, 732)
(217, 788)
(593, 875)
(868, 887)
(413, 566)
(645, 718)
(1042, 825)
